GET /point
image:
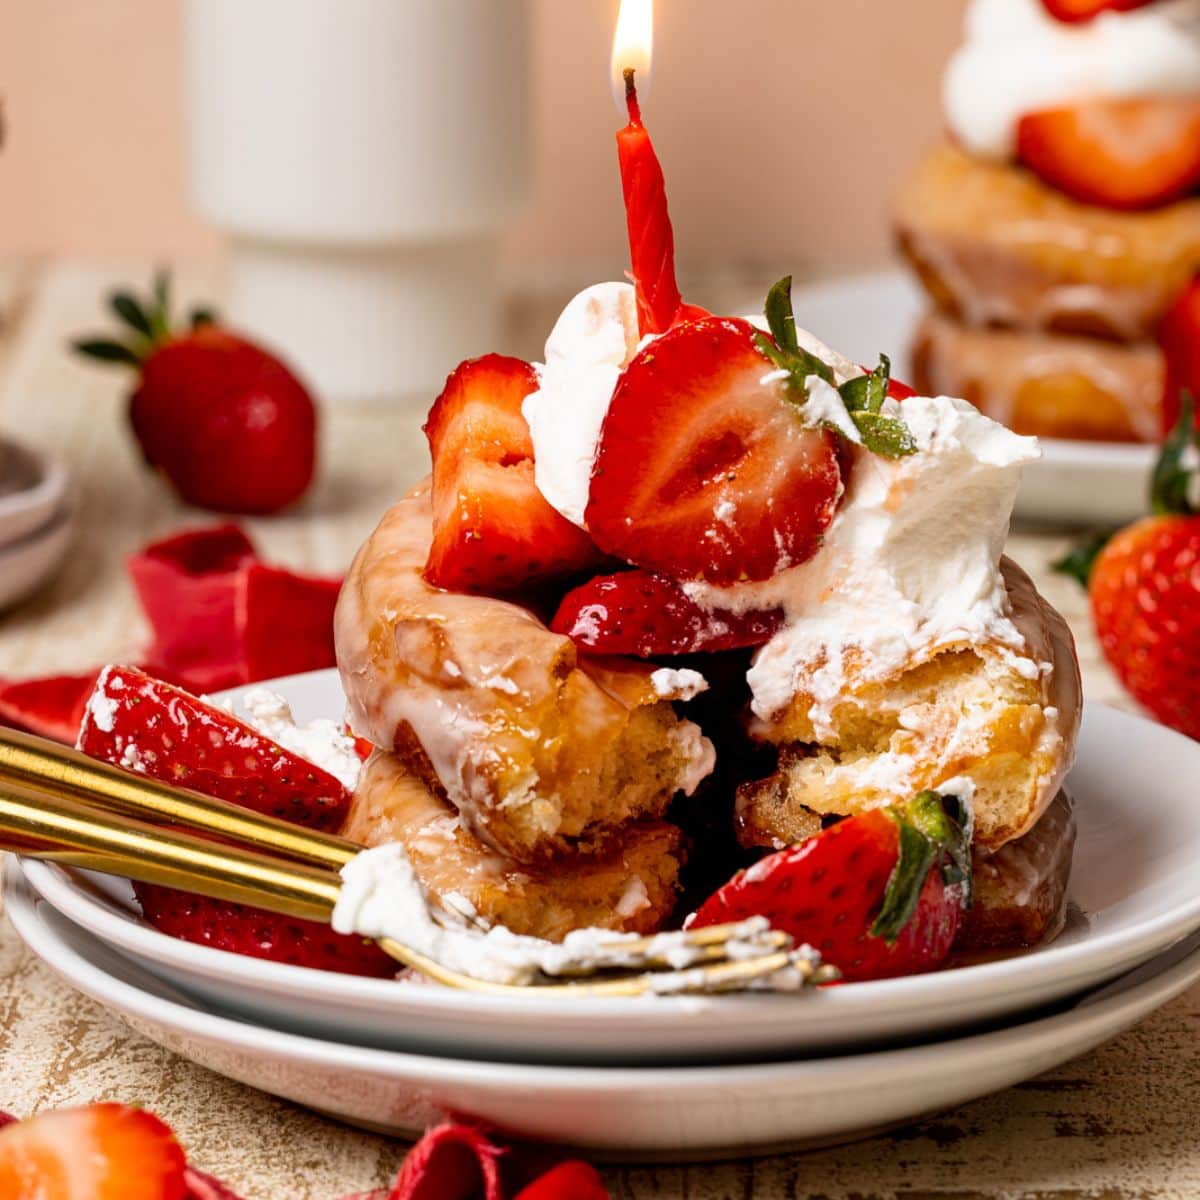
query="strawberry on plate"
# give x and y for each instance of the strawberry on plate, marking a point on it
(1122, 154)
(1074, 11)
(101, 1152)
(136, 721)
(146, 725)
(709, 464)
(878, 894)
(492, 529)
(643, 614)
(1179, 337)
(226, 421)
(1144, 588)
(242, 929)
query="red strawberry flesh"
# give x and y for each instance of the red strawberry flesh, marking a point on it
(493, 531)
(135, 720)
(828, 893)
(704, 468)
(643, 614)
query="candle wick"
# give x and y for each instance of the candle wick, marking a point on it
(631, 97)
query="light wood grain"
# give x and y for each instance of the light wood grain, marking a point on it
(1120, 1121)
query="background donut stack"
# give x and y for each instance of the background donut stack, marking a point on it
(1055, 229)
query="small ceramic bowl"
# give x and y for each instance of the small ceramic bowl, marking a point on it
(30, 561)
(33, 491)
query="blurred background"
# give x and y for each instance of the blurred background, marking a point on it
(769, 119)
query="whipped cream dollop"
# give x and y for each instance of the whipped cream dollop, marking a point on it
(910, 563)
(381, 896)
(321, 742)
(593, 339)
(1016, 59)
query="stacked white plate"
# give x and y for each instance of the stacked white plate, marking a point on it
(1091, 483)
(36, 520)
(682, 1077)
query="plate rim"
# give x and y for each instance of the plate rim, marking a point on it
(134, 936)
(1172, 979)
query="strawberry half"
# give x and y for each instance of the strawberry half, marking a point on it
(879, 894)
(1122, 154)
(1179, 337)
(639, 613)
(1074, 11)
(492, 529)
(101, 1152)
(134, 720)
(704, 468)
(142, 724)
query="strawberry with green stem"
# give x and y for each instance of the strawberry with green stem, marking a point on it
(229, 424)
(712, 465)
(879, 894)
(1143, 583)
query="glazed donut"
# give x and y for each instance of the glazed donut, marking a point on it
(959, 710)
(1046, 384)
(540, 750)
(994, 245)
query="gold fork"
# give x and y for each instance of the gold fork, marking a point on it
(59, 805)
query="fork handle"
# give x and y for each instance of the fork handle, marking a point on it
(33, 762)
(43, 825)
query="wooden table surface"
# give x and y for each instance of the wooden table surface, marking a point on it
(1120, 1121)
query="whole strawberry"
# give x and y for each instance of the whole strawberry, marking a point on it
(228, 424)
(1144, 587)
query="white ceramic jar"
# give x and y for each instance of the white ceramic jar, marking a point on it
(364, 157)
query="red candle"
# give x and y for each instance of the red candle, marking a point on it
(651, 241)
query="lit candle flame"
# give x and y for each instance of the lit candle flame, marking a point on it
(633, 47)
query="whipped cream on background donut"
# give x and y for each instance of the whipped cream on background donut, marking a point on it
(894, 575)
(1016, 59)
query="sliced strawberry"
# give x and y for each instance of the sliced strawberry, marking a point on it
(52, 706)
(102, 1152)
(139, 722)
(241, 929)
(1073, 11)
(639, 613)
(870, 893)
(704, 468)
(188, 586)
(492, 529)
(1123, 154)
(1179, 336)
(286, 622)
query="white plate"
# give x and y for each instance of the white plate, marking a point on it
(1087, 482)
(680, 1112)
(1134, 891)
(33, 488)
(29, 562)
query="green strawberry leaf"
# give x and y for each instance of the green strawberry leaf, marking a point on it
(863, 396)
(1079, 561)
(866, 393)
(884, 435)
(131, 312)
(929, 828)
(1175, 471)
(202, 316)
(107, 350)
